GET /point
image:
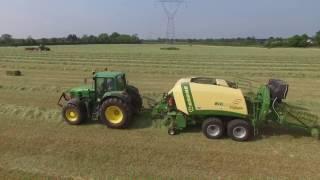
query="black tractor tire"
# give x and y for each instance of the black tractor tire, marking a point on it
(240, 130)
(74, 114)
(115, 113)
(136, 100)
(173, 131)
(213, 128)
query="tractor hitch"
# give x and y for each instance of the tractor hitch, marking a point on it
(64, 97)
(160, 109)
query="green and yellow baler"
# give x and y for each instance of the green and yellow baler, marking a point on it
(222, 108)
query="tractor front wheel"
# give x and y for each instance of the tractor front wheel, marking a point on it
(173, 131)
(240, 130)
(73, 114)
(115, 113)
(213, 128)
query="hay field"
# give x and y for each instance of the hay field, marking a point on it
(36, 143)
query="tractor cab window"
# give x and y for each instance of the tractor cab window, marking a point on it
(104, 85)
(121, 82)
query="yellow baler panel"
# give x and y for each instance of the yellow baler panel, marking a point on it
(179, 99)
(218, 98)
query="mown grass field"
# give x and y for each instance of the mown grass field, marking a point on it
(35, 143)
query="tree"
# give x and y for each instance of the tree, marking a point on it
(72, 38)
(317, 38)
(299, 41)
(31, 41)
(304, 41)
(103, 38)
(6, 39)
(92, 39)
(114, 37)
(44, 41)
(53, 40)
(294, 41)
(85, 39)
(135, 39)
(123, 39)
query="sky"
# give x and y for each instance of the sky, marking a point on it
(195, 19)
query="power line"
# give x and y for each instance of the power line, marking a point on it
(171, 15)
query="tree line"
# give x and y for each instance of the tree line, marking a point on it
(116, 38)
(294, 41)
(104, 38)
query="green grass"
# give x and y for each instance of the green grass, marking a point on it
(35, 143)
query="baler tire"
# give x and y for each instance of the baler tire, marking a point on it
(122, 113)
(210, 133)
(73, 114)
(244, 128)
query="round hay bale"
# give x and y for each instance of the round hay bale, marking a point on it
(14, 73)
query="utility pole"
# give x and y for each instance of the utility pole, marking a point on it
(171, 8)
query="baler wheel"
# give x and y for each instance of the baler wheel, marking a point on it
(240, 130)
(213, 128)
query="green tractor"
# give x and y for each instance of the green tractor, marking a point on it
(109, 99)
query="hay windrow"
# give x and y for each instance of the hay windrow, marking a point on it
(32, 88)
(14, 73)
(29, 113)
(170, 48)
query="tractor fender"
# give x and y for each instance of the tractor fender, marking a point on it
(133, 88)
(74, 101)
(122, 97)
(77, 102)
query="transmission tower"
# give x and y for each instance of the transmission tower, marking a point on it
(171, 8)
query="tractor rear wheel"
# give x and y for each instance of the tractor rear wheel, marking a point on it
(73, 114)
(135, 98)
(115, 113)
(213, 128)
(240, 130)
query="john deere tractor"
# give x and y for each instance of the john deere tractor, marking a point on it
(223, 109)
(109, 99)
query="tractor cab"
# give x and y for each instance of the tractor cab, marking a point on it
(105, 82)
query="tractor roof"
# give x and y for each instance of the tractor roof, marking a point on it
(108, 74)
